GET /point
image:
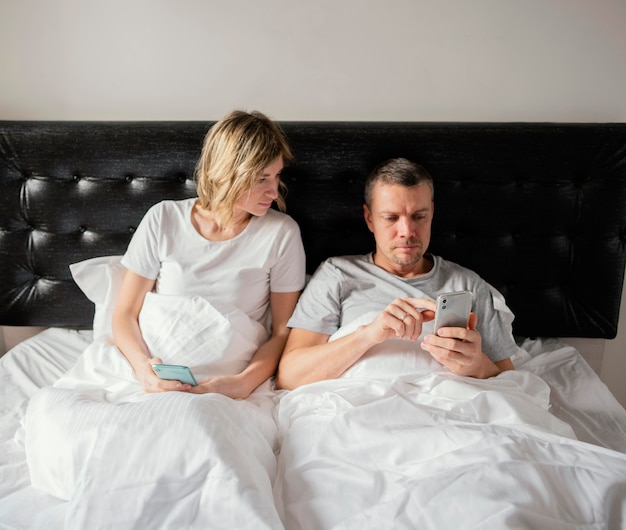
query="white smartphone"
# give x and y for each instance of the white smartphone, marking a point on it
(453, 310)
(175, 372)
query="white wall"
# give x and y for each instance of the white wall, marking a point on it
(532, 60)
(454, 60)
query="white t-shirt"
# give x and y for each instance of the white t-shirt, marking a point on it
(345, 288)
(267, 256)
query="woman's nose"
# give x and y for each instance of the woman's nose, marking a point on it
(272, 190)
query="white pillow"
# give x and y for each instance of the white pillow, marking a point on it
(101, 280)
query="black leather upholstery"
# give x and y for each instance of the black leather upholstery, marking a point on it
(539, 210)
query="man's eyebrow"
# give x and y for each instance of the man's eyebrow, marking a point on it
(419, 210)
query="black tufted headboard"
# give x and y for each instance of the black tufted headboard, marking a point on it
(539, 210)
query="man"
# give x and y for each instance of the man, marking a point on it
(400, 280)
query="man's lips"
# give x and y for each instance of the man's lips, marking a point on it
(406, 246)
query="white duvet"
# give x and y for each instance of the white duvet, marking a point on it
(125, 459)
(399, 443)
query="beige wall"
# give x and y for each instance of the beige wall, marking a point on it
(12, 335)
(613, 371)
(459, 60)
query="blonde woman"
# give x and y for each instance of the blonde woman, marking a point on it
(225, 245)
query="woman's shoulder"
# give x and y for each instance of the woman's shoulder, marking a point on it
(278, 220)
(171, 206)
(167, 212)
(175, 204)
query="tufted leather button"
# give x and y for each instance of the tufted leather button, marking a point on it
(82, 229)
(182, 179)
(131, 229)
(76, 178)
(128, 178)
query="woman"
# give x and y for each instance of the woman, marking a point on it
(221, 265)
(225, 245)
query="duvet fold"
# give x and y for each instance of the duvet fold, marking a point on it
(125, 459)
(434, 450)
(399, 442)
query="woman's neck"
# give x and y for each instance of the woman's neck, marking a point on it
(208, 226)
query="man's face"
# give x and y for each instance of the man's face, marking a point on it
(400, 219)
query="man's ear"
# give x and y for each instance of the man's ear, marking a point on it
(368, 218)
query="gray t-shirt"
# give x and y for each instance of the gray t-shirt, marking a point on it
(345, 288)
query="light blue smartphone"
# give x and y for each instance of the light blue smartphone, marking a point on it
(175, 372)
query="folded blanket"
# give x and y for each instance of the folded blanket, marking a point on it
(126, 459)
(400, 442)
(210, 339)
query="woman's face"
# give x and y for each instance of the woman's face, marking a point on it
(260, 198)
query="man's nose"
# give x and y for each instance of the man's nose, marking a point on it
(406, 226)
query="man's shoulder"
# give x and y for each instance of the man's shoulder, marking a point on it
(452, 267)
(347, 261)
(351, 258)
(340, 267)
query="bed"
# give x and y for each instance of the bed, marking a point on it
(537, 209)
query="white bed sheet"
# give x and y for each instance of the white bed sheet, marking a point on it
(29, 366)
(121, 458)
(577, 397)
(430, 450)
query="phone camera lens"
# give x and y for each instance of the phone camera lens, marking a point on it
(445, 301)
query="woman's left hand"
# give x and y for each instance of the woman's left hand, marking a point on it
(233, 386)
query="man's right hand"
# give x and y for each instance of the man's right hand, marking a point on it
(401, 319)
(309, 357)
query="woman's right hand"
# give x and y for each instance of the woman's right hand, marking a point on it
(128, 337)
(151, 383)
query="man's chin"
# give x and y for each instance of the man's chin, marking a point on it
(406, 261)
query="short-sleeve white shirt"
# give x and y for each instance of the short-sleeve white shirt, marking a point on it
(267, 256)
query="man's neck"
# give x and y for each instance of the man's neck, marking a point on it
(414, 270)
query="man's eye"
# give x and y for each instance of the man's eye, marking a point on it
(390, 219)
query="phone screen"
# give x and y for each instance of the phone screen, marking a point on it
(175, 372)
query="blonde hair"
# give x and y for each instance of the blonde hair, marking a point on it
(236, 150)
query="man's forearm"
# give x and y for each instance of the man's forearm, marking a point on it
(301, 365)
